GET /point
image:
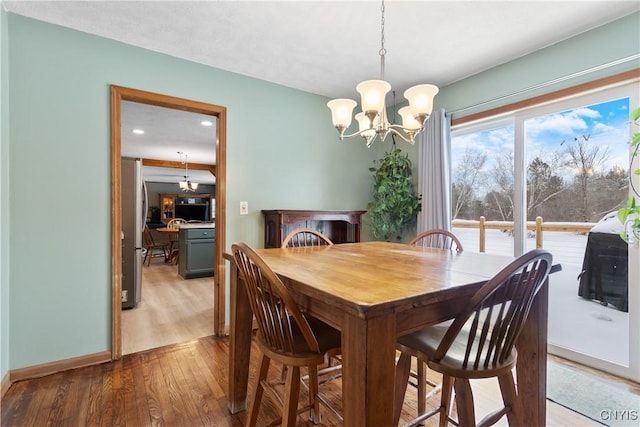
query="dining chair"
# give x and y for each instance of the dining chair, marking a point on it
(441, 239)
(174, 224)
(153, 249)
(480, 343)
(303, 237)
(285, 335)
(438, 238)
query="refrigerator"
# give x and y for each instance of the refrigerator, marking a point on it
(134, 212)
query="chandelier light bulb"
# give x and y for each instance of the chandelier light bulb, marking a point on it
(373, 94)
(341, 113)
(420, 99)
(408, 120)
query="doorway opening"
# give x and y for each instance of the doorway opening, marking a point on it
(119, 94)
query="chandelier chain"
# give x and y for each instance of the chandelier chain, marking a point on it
(383, 51)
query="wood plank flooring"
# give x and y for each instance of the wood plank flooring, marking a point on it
(179, 385)
(173, 310)
(182, 384)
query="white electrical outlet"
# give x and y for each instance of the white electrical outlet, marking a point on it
(244, 208)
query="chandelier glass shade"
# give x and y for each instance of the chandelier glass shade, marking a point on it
(372, 121)
(187, 185)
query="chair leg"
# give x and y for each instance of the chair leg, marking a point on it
(403, 367)
(292, 392)
(313, 394)
(445, 400)
(254, 409)
(422, 386)
(508, 390)
(464, 402)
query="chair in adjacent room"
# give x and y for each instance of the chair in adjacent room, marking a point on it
(153, 249)
(174, 224)
(437, 238)
(286, 335)
(303, 237)
(480, 343)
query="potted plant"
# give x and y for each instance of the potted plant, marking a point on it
(630, 214)
(395, 204)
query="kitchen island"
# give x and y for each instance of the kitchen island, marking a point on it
(196, 243)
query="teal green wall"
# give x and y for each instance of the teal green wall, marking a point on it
(4, 197)
(58, 132)
(602, 45)
(282, 152)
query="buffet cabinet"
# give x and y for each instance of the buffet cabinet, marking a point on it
(191, 204)
(339, 226)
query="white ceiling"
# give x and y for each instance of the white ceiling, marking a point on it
(167, 132)
(326, 47)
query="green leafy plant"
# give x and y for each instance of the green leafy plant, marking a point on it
(395, 204)
(630, 214)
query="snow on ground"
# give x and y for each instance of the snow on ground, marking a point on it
(575, 323)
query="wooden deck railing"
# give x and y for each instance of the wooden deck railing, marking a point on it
(538, 226)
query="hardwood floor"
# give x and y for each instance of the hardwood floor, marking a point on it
(182, 384)
(173, 310)
(179, 385)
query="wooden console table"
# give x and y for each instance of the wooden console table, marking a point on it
(339, 226)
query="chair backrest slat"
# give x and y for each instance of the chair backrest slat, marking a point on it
(497, 312)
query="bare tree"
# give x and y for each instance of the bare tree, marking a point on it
(543, 187)
(585, 159)
(466, 179)
(499, 199)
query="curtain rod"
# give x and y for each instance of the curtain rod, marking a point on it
(549, 83)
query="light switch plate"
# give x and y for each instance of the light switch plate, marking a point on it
(244, 208)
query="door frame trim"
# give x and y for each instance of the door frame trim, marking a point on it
(118, 94)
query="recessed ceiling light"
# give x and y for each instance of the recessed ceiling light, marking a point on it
(206, 123)
(138, 131)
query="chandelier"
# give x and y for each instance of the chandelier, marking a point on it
(372, 121)
(186, 185)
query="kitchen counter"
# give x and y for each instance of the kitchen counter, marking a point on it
(197, 248)
(198, 225)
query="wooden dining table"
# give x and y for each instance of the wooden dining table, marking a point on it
(374, 292)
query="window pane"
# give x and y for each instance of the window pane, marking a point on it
(482, 185)
(577, 169)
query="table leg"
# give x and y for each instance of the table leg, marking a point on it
(240, 331)
(532, 361)
(368, 362)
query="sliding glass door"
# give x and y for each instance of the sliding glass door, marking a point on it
(561, 168)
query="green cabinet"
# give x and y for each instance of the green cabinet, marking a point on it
(197, 247)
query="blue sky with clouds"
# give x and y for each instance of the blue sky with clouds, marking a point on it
(605, 125)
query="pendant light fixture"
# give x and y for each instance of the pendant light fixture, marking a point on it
(186, 185)
(372, 121)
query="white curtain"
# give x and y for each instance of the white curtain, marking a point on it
(434, 173)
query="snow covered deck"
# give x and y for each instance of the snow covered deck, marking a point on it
(575, 323)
